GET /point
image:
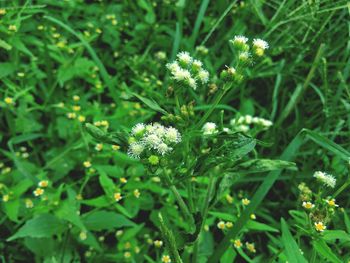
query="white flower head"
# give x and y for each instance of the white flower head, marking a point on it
(163, 148)
(209, 128)
(185, 58)
(138, 129)
(135, 149)
(197, 64)
(152, 140)
(181, 74)
(173, 66)
(326, 179)
(259, 43)
(203, 76)
(240, 39)
(248, 119)
(172, 135)
(192, 83)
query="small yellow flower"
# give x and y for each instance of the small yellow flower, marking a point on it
(29, 203)
(115, 147)
(99, 147)
(158, 243)
(320, 227)
(56, 35)
(137, 193)
(87, 164)
(127, 254)
(98, 30)
(43, 183)
(83, 235)
(2, 11)
(245, 201)
(250, 247)
(166, 259)
(5, 198)
(252, 216)
(229, 224)
(12, 28)
(229, 199)
(76, 108)
(221, 225)
(71, 115)
(331, 203)
(38, 192)
(81, 118)
(8, 100)
(123, 180)
(114, 22)
(118, 197)
(237, 243)
(308, 205)
(76, 98)
(127, 245)
(105, 123)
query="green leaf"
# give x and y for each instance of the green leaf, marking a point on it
(263, 165)
(325, 251)
(68, 212)
(100, 220)
(333, 235)
(45, 225)
(100, 201)
(150, 103)
(292, 250)
(6, 69)
(107, 185)
(11, 209)
(254, 225)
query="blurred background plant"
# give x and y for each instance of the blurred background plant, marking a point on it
(67, 198)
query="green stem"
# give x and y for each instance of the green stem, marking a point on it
(218, 98)
(183, 207)
(342, 188)
(205, 210)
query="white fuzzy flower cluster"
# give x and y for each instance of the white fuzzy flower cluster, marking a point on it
(188, 71)
(153, 138)
(243, 123)
(326, 179)
(241, 44)
(209, 128)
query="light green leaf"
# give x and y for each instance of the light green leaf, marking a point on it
(45, 225)
(100, 220)
(325, 251)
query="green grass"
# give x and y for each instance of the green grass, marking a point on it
(113, 56)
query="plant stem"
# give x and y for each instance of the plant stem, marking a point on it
(205, 210)
(342, 188)
(183, 207)
(218, 98)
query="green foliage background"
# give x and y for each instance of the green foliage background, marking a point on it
(105, 52)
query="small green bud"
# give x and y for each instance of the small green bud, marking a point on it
(95, 132)
(153, 159)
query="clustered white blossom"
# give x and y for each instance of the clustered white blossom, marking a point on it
(241, 43)
(243, 123)
(209, 128)
(326, 179)
(152, 138)
(188, 71)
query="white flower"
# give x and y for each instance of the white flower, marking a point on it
(203, 76)
(209, 128)
(181, 74)
(152, 140)
(325, 178)
(197, 64)
(173, 67)
(242, 128)
(248, 119)
(163, 148)
(192, 83)
(244, 56)
(259, 43)
(135, 149)
(138, 129)
(240, 39)
(158, 130)
(172, 135)
(184, 57)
